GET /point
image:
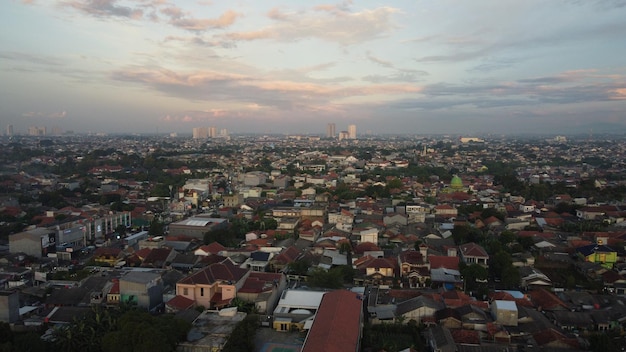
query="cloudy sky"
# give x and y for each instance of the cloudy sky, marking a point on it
(421, 66)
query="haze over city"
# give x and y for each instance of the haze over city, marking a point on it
(293, 66)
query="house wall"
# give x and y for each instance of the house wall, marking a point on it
(419, 314)
(383, 271)
(9, 306)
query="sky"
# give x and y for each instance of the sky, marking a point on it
(265, 66)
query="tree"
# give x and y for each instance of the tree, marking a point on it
(326, 279)
(298, 267)
(242, 337)
(473, 274)
(156, 228)
(121, 230)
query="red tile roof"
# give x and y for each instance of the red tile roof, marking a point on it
(337, 325)
(115, 289)
(181, 303)
(438, 261)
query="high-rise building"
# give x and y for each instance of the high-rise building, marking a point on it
(212, 132)
(330, 130)
(9, 130)
(200, 132)
(36, 131)
(352, 131)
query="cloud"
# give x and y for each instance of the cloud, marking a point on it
(337, 25)
(21, 57)
(415, 76)
(104, 8)
(381, 62)
(178, 19)
(266, 92)
(277, 15)
(46, 115)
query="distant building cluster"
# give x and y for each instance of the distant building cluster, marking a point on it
(37, 131)
(349, 134)
(208, 132)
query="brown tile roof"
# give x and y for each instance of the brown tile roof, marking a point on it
(213, 248)
(411, 257)
(157, 257)
(224, 271)
(473, 250)
(259, 282)
(365, 246)
(545, 300)
(287, 256)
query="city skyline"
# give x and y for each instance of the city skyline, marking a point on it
(119, 66)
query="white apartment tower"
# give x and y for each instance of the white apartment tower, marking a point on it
(330, 130)
(351, 131)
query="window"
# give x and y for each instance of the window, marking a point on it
(185, 291)
(201, 291)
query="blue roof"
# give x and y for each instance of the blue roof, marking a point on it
(594, 248)
(260, 256)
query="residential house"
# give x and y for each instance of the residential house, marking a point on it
(258, 261)
(214, 286)
(598, 253)
(417, 309)
(280, 261)
(369, 234)
(263, 289)
(504, 312)
(376, 271)
(413, 268)
(145, 289)
(531, 278)
(159, 258)
(472, 253)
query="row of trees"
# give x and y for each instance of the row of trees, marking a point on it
(126, 329)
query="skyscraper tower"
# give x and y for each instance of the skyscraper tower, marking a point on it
(330, 130)
(9, 130)
(352, 131)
